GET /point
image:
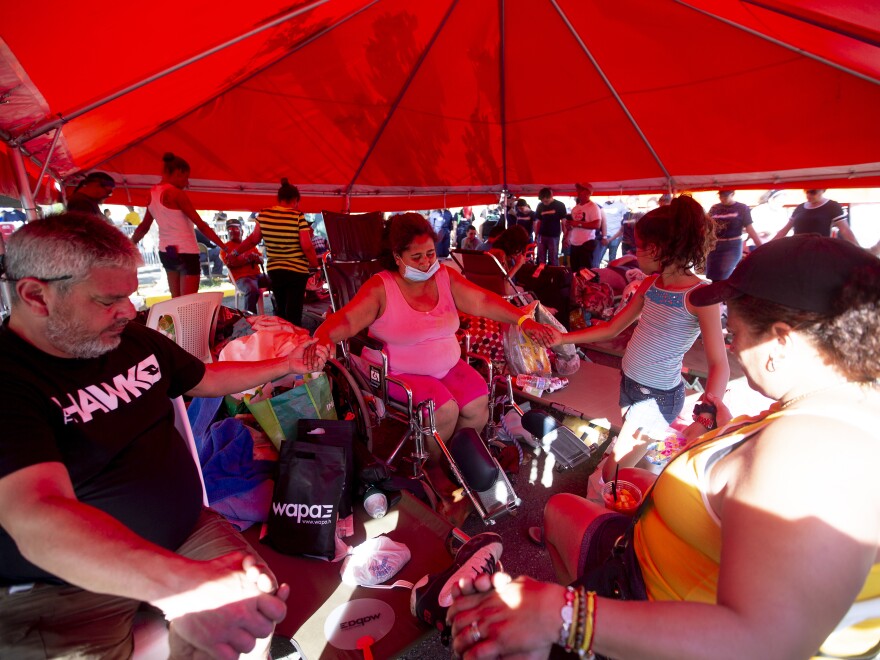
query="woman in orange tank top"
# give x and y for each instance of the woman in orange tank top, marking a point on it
(762, 539)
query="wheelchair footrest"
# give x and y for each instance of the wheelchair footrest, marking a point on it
(483, 476)
(477, 466)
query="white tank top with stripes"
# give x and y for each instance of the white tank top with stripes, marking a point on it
(665, 332)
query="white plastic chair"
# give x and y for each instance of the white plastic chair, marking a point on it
(195, 318)
(150, 630)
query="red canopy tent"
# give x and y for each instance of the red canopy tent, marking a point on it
(393, 104)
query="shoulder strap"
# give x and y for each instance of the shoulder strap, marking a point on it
(727, 428)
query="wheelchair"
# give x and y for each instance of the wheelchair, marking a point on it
(361, 387)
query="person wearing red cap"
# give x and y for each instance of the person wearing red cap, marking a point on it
(585, 228)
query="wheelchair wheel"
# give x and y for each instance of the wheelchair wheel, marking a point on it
(349, 401)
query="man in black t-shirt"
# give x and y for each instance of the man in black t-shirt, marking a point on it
(818, 216)
(97, 488)
(550, 212)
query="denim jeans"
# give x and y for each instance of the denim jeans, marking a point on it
(649, 407)
(723, 259)
(249, 287)
(549, 246)
(610, 249)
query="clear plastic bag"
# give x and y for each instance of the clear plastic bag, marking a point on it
(523, 355)
(566, 360)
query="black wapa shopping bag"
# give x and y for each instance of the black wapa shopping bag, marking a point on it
(305, 505)
(337, 433)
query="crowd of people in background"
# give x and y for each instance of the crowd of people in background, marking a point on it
(582, 233)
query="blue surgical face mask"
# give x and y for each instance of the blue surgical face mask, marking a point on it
(416, 275)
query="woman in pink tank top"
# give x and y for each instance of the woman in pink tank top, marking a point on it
(413, 307)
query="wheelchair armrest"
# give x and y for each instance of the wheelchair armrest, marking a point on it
(362, 340)
(380, 385)
(487, 363)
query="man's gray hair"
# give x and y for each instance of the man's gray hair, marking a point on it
(65, 248)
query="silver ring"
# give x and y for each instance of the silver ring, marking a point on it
(475, 632)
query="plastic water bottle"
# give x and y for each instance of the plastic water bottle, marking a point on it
(529, 380)
(375, 503)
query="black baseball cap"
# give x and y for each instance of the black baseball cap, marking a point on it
(100, 177)
(805, 272)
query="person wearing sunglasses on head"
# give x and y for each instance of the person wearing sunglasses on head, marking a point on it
(818, 216)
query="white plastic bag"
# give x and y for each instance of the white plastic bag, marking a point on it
(374, 561)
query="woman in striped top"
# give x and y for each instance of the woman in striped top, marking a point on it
(289, 249)
(670, 241)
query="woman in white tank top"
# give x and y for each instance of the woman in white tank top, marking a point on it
(174, 212)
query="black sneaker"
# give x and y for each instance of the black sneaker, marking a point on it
(432, 595)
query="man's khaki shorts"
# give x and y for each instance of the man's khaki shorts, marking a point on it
(62, 621)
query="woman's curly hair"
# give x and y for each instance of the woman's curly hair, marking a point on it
(682, 232)
(399, 233)
(849, 337)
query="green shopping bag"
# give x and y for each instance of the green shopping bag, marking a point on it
(278, 416)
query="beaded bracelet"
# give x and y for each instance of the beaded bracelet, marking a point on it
(567, 614)
(581, 620)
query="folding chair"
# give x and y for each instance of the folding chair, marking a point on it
(484, 270)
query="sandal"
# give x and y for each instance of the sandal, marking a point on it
(536, 536)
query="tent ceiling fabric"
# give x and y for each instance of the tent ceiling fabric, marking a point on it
(390, 101)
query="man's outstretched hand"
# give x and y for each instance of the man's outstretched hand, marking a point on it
(226, 614)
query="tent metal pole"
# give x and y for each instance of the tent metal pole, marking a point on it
(57, 123)
(251, 75)
(24, 188)
(46, 163)
(778, 42)
(773, 7)
(632, 120)
(503, 92)
(401, 94)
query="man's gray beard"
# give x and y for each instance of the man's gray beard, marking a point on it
(71, 338)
